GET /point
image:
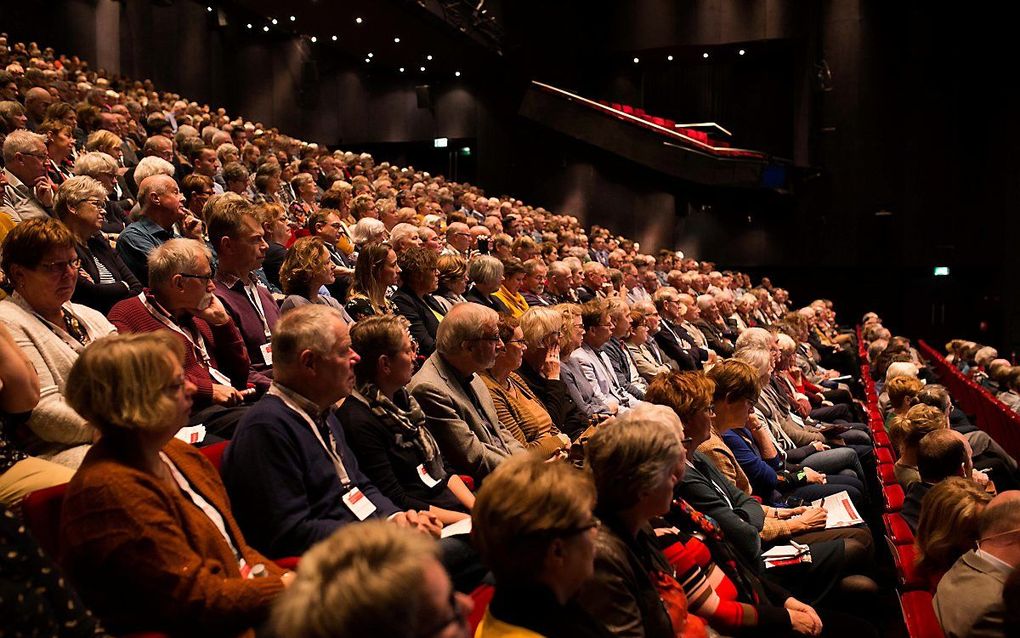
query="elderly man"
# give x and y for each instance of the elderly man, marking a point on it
(969, 599)
(162, 206)
(656, 360)
(37, 100)
(239, 241)
(28, 191)
(940, 455)
(458, 409)
(458, 240)
(533, 288)
(632, 283)
(292, 478)
(712, 325)
(595, 278)
(672, 338)
(180, 299)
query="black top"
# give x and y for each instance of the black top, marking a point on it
(392, 469)
(421, 312)
(99, 296)
(535, 607)
(476, 296)
(271, 264)
(555, 397)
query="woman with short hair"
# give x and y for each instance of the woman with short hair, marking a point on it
(104, 168)
(510, 289)
(40, 260)
(519, 410)
(374, 272)
(637, 344)
(948, 525)
(453, 281)
(146, 529)
(386, 429)
(103, 278)
(535, 528)
(486, 274)
(60, 148)
(305, 270)
(414, 300)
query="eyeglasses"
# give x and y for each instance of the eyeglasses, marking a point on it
(189, 275)
(98, 203)
(518, 341)
(39, 156)
(59, 267)
(456, 616)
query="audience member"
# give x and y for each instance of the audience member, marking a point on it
(948, 525)
(375, 271)
(486, 274)
(414, 299)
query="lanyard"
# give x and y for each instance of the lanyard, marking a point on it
(722, 492)
(205, 506)
(64, 335)
(338, 463)
(163, 317)
(252, 292)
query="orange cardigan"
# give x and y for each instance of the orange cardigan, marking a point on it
(144, 558)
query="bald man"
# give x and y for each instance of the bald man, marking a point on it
(969, 597)
(162, 206)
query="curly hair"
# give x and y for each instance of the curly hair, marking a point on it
(304, 258)
(416, 264)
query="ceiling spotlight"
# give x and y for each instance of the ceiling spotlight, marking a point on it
(209, 9)
(249, 25)
(669, 58)
(422, 69)
(368, 59)
(274, 21)
(293, 18)
(705, 55)
(428, 57)
(456, 74)
(314, 39)
(371, 55)
(334, 38)
(741, 52)
(396, 40)
(401, 69)
(358, 20)
(636, 60)
(266, 28)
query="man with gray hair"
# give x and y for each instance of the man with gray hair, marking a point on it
(162, 207)
(458, 410)
(969, 599)
(559, 285)
(28, 192)
(713, 326)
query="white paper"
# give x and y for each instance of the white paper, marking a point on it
(455, 529)
(840, 511)
(191, 434)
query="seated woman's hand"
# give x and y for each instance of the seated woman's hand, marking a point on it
(814, 477)
(803, 617)
(812, 519)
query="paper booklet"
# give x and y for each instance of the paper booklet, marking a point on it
(840, 511)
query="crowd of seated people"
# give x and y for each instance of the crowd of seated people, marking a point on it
(384, 354)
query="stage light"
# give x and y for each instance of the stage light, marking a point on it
(266, 28)
(396, 40)
(428, 57)
(334, 38)
(293, 18)
(249, 25)
(705, 55)
(358, 20)
(314, 39)
(368, 59)
(371, 55)
(275, 21)
(636, 60)
(669, 58)
(209, 9)
(456, 74)
(401, 69)
(422, 69)
(741, 52)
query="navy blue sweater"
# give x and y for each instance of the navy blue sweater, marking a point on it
(284, 491)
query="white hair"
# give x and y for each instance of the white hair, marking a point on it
(152, 165)
(93, 164)
(366, 230)
(900, 369)
(21, 141)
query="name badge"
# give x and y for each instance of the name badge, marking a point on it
(425, 477)
(219, 377)
(267, 353)
(358, 503)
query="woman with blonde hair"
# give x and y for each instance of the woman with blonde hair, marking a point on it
(906, 432)
(453, 281)
(146, 529)
(305, 270)
(948, 526)
(535, 528)
(374, 272)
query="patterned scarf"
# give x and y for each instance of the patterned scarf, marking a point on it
(407, 425)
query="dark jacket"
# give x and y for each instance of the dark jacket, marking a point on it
(555, 397)
(684, 351)
(421, 313)
(99, 296)
(391, 468)
(476, 296)
(717, 339)
(535, 608)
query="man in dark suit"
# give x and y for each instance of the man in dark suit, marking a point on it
(713, 327)
(595, 278)
(533, 289)
(941, 454)
(671, 338)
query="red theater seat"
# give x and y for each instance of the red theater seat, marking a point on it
(41, 510)
(919, 615)
(897, 529)
(884, 455)
(887, 473)
(214, 453)
(481, 598)
(893, 497)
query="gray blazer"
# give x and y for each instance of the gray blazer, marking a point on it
(473, 443)
(26, 206)
(580, 390)
(968, 601)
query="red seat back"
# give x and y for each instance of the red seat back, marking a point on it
(214, 453)
(480, 597)
(41, 510)
(919, 615)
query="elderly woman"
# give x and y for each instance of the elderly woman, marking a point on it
(40, 261)
(306, 194)
(103, 168)
(12, 118)
(486, 273)
(372, 579)
(103, 278)
(453, 281)
(948, 526)
(386, 428)
(103, 141)
(635, 461)
(305, 270)
(60, 147)
(519, 410)
(146, 529)
(414, 300)
(368, 231)
(510, 290)
(535, 527)
(374, 272)
(647, 364)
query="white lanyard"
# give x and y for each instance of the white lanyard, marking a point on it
(205, 506)
(252, 292)
(202, 354)
(721, 491)
(338, 463)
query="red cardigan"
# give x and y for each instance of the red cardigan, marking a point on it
(224, 344)
(144, 558)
